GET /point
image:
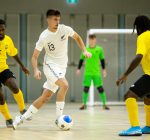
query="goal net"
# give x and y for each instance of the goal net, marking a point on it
(104, 32)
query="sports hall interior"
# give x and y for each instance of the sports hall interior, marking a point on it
(25, 20)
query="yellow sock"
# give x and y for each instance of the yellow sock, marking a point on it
(20, 100)
(4, 110)
(147, 111)
(132, 109)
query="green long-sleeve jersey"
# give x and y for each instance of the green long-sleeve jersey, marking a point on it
(92, 65)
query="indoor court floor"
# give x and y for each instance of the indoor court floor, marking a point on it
(91, 124)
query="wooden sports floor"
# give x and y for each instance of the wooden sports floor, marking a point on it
(91, 124)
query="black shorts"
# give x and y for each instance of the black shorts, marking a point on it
(4, 75)
(142, 87)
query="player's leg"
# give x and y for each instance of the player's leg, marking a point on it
(102, 96)
(10, 82)
(85, 97)
(33, 109)
(60, 101)
(86, 83)
(17, 94)
(3, 105)
(4, 109)
(98, 82)
(139, 89)
(146, 129)
(49, 88)
(38, 103)
(56, 79)
(132, 109)
(44, 98)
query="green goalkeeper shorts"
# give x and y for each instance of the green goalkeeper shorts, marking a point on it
(97, 80)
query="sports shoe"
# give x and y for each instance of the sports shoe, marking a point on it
(83, 107)
(133, 131)
(146, 130)
(17, 122)
(106, 107)
(9, 123)
(24, 111)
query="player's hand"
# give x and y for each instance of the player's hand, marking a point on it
(77, 72)
(37, 74)
(26, 71)
(87, 54)
(104, 73)
(121, 80)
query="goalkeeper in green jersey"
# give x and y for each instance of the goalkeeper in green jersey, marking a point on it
(92, 71)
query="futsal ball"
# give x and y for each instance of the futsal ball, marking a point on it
(65, 122)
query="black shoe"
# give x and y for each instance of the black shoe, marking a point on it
(106, 107)
(9, 123)
(83, 107)
(24, 111)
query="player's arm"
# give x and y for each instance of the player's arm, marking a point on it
(34, 60)
(136, 61)
(79, 66)
(102, 60)
(82, 57)
(16, 57)
(103, 65)
(80, 43)
(13, 52)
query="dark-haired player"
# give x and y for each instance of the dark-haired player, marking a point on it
(54, 40)
(141, 88)
(7, 78)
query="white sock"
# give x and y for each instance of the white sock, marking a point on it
(59, 108)
(32, 110)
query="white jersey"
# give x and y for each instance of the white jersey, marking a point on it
(55, 45)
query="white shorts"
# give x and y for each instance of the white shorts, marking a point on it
(53, 73)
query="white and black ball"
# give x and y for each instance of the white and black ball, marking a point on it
(65, 122)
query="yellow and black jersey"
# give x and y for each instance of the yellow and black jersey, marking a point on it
(143, 47)
(6, 48)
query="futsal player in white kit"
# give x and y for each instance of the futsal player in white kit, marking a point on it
(55, 42)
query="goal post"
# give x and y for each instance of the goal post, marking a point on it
(103, 31)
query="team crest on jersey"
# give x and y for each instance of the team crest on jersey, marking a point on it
(63, 37)
(6, 47)
(60, 74)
